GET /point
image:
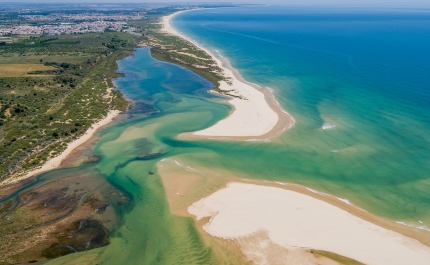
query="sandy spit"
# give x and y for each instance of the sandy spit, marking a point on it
(294, 220)
(252, 114)
(56, 161)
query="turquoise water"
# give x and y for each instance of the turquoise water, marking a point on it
(366, 72)
(363, 72)
(168, 100)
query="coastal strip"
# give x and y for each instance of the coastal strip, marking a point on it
(255, 114)
(56, 161)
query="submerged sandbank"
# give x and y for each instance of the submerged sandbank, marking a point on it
(252, 116)
(294, 220)
(56, 161)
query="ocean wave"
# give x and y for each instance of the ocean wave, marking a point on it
(317, 192)
(281, 183)
(328, 126)
(420, 226)
(193, 169)
(189, 169)
(246, 179)
(292, 118)
(340, 199)
(253, 84)
(345, 201)
(270, 89)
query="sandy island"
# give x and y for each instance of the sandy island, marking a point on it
(293, 220)
(56, 161)
(282, 223)
(252, 114)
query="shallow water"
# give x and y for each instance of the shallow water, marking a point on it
(168, 100)
(322, 72)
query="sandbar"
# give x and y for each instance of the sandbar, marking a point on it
(293, 220)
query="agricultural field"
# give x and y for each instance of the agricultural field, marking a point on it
(24, 69)
(35, 58)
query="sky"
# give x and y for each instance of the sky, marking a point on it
(295, 2)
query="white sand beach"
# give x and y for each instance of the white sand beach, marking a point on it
(56, 161)
(293, 220)
(252, 114)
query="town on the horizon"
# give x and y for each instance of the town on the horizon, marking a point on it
(18, 21)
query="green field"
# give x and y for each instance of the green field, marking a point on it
(16, 58)
(25, 69)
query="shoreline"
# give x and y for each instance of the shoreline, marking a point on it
(255, 116)
(188, 186)
(55, 162)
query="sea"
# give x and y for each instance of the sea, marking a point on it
(357, 82)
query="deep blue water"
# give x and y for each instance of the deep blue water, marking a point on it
(386, 52)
